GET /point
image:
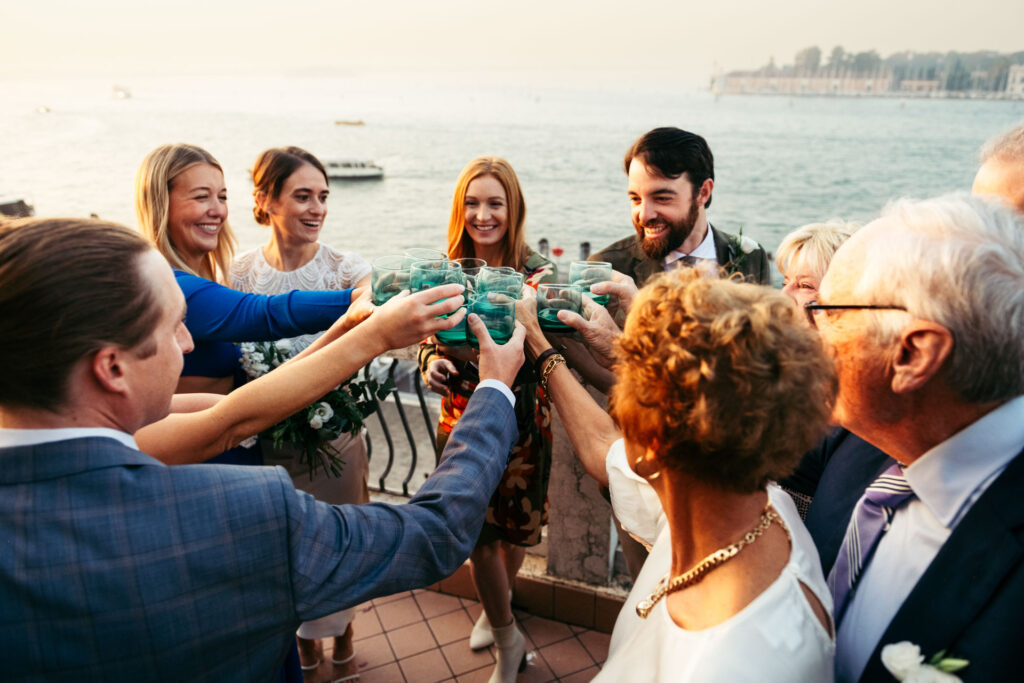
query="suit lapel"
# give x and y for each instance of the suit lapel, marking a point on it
(643, 267)
(964, 575)
(721, 246)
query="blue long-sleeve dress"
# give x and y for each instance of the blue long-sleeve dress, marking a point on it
(217, 316)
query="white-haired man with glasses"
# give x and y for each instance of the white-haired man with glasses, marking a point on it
(924, 311)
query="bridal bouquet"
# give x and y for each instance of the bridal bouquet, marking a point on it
(342, 410)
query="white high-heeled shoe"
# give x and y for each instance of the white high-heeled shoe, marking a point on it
(482, 635)
(510, 653)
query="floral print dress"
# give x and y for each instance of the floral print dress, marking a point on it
(519, 507)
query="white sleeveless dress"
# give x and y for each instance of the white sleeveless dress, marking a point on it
(777, 637)
(329, 269)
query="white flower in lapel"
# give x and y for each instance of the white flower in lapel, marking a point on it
(902, 659)
(906, 663)
(747, 245)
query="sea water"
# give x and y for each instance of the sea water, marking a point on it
(780, 162)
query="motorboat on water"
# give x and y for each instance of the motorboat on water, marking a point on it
(16, 207)
(353, 169)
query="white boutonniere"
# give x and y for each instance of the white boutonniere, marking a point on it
(740, 247)
(906, 663)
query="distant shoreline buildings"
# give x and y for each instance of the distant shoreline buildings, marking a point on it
(979, 75)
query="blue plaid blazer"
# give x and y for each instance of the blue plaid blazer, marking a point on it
(116, 567)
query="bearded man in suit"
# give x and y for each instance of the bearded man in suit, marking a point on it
(671, 177)
(924, 311)
(117, 566)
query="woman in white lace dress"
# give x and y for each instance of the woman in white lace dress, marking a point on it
(721, 388)
(291, 190)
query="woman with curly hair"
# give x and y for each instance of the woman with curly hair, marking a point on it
(721, 388)
(487, 218)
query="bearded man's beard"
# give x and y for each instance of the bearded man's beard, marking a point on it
(658, 247)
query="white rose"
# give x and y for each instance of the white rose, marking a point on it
(321, 414)
(902, 659)
(325, 411)
(284, 345)
(747, 245)
(927, 673)
(247, 347)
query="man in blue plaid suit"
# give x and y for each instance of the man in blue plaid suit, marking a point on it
(115, 566)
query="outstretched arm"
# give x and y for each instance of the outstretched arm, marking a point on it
(591, 430)
(345, 555)
(191, 437)
(219, 313)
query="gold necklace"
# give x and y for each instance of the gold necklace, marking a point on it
(698, 572)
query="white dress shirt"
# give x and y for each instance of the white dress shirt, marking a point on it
(946, 481)
(11, 438)
(705, 250)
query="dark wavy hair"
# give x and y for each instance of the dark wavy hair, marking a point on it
(673, 152)
(272, 168)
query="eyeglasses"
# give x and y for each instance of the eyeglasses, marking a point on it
(812, 308)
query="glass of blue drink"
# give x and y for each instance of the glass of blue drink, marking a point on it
(470, 269)
(389, 276)
(501, 279)
(583, 274)
(420, 254)
(427, 274)
(551, 299)
(498, 313)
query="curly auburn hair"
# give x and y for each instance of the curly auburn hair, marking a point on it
(722, 380)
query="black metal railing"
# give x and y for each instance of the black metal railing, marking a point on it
(402, 454)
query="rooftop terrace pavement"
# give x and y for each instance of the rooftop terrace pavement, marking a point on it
(422, 635)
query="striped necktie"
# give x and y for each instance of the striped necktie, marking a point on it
(870, 520)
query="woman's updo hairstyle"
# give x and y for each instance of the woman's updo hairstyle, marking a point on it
(272, 168)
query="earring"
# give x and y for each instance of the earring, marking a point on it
(639, 460)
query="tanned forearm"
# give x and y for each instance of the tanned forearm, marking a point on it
(184, 438)
(591, 430)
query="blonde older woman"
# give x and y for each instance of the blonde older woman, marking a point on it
(804, 254)
(720, 390)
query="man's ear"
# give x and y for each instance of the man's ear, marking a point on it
(108, 367)
(704, 193)
(924, 348)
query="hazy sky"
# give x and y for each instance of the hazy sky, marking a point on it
(646, 38)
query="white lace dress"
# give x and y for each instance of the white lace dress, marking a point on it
(777, 637)
(329, 269)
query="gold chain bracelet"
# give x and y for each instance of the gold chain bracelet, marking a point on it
(553, 362)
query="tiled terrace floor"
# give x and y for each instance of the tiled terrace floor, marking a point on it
(423, 636)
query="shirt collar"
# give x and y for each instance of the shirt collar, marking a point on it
(12, 438)
(704, 250)
(952, 475)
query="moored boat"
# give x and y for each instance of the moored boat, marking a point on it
(353, 169)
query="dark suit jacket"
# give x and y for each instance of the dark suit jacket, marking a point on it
(835, 475)
(627, 257)
(969, 601)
